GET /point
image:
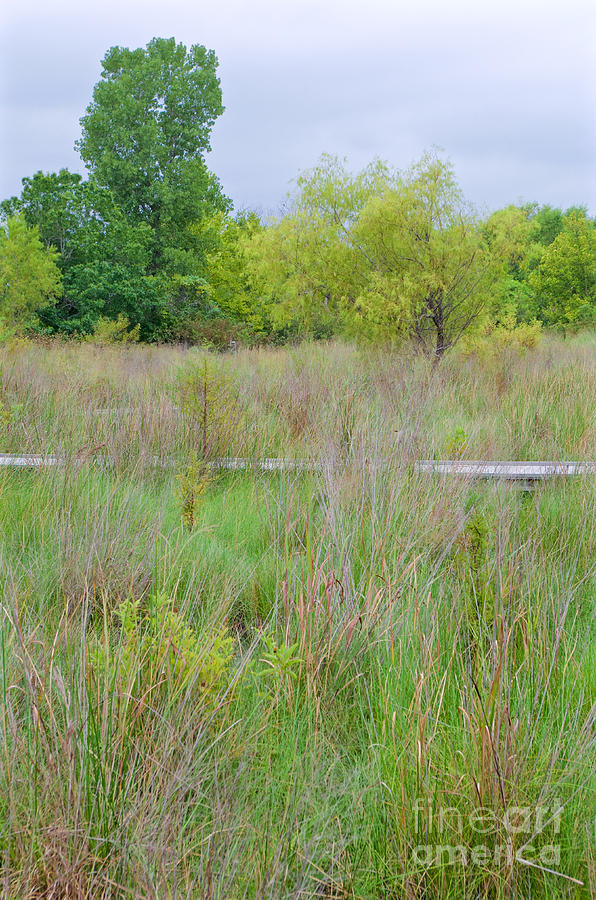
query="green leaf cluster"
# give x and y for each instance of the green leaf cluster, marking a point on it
(391, 255)
(29, 276)
(159, 657)
(565, 280)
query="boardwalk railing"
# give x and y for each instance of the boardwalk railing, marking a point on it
(474, 469)
(506, 470)
(28, 460)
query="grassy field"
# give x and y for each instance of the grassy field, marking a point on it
(357, 682)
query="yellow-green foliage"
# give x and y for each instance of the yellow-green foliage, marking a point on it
(307, 263)
(385, 255)
(192, 482)
(160, 658)
(230, 285)
(114, 331)
(456, 443)
(281, 664)
(29, 276)
(565, 280)
(492, 338)
(470, 550)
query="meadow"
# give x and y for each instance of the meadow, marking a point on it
(349, 681)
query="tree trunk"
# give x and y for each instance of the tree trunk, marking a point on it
(440, 347)
(439, 322)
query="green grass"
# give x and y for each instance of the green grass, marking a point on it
(399, 642)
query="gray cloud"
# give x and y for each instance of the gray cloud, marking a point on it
(507, 91)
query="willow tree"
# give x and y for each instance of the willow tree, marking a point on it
(431, 266)
(387, 254)
(308, 265)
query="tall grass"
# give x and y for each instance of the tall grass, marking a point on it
(132, 405)
(405, 704)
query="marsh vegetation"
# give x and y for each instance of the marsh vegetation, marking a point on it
(262, 685)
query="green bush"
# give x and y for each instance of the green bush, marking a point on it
(494, 337)
(114, 331)
(159, 658)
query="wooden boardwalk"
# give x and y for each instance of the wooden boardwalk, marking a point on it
(500, 470)
(28, 460)
(506, 470)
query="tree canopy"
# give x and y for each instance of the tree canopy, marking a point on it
(391, 254)
(129, 237)
(565, 279)
(432, 267)
(151, 112)
(148, 239)
(103, 257)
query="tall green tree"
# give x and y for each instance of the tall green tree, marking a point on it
(144, 137)
(29, 276)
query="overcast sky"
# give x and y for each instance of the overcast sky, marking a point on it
(506, 89)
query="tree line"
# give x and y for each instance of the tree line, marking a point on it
(149, 242)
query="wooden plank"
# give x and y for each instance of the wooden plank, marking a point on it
(28, 460)
(266, 464)
(506, 470)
